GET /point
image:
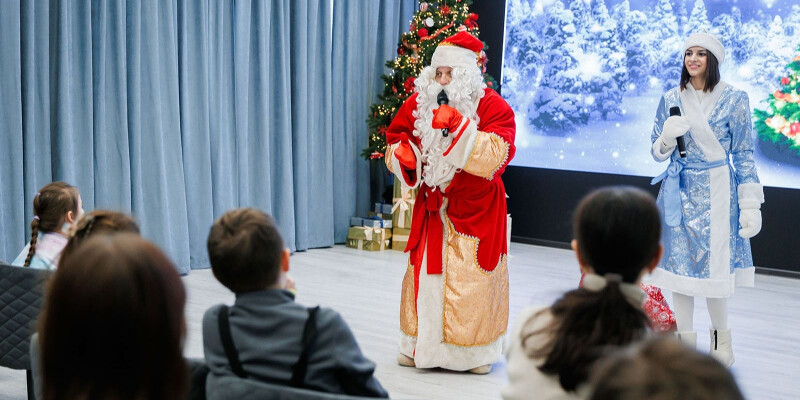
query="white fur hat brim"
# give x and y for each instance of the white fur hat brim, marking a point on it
(453, 56)
(708, 42)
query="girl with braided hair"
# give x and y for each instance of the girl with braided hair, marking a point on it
(102, 222)
(55, 207)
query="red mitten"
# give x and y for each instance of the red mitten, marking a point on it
(405, 155)
(446, 117)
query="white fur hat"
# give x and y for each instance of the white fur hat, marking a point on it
(708, 42)
(459, 50)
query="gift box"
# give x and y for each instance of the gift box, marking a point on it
(370, 239)
(377, 222)
(400, 238)
(357, 221)
(380, 215)
(383, 208)
(403, 199)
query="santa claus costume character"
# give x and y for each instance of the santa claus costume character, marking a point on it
(711, 199)
(454, 298)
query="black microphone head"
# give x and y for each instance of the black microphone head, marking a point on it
(441, 98)
(673, 111)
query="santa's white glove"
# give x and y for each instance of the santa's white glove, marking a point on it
(751, 195)
(674, 127)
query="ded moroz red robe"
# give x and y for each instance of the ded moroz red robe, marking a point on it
(454, 300)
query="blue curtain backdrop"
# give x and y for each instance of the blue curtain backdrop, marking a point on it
(176, 111)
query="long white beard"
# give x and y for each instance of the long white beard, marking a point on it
(464, 92)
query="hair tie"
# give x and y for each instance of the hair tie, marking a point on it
(633, 293)
(36, 217)
(38, 194)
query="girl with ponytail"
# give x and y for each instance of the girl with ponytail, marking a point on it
(617, 232)
(55, 207)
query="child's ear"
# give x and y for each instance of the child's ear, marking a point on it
(70, 217)
(285, 260)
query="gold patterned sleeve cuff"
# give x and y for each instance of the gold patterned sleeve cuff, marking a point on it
(488, 152)
(389, 155)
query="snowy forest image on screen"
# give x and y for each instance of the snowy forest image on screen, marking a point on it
(585, 78)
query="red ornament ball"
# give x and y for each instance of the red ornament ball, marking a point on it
(785, 80)
(794, 129)
(422, 32)
(489, 84)
(409, 84)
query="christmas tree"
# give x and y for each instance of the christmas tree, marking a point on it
(780, 122)
(432, 23)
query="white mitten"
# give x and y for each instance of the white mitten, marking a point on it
(751, 195)
(674, 127)
(750, 220)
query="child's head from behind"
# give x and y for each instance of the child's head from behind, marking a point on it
(617, 230)
(114, 315)
(98, 222)
(662, 368)
(55, 204)
(246, 250)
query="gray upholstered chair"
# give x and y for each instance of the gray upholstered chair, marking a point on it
(230, 387)
(20, 303)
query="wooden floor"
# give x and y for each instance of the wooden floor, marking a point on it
(364, 287)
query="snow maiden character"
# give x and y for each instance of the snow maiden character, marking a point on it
(454, 297)
(710, 199)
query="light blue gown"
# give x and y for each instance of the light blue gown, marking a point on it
(703, 252)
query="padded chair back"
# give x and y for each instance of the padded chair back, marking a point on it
(20, 304)
(229, 387)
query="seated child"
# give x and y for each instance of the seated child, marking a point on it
(98, 222)
(272, 338)
(55, 207)
(617, 232)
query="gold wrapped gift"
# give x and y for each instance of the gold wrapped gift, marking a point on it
(400, 238)
(403, 199)
(370, 239)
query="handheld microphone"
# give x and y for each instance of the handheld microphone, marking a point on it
(681, 144)
(441, 98)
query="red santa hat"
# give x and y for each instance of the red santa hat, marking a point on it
(459, 50)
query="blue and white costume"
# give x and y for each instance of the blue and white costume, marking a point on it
(701, 195)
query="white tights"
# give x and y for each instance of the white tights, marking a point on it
(684, 312)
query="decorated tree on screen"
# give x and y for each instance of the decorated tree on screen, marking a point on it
(435, 21)
(780, 122)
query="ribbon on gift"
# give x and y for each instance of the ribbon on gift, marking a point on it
(369, 231)
(400, 238)
(404, 201)
(671, 189)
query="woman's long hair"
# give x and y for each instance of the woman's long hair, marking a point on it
(113, 323)
(617, 230)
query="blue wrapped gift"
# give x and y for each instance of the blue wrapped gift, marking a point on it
(383, 208)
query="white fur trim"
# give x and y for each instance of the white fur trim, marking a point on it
(720, 247)
(700, 287)
(460, 153)
(751, 195)
(453, 56)
(708, 42)
(697, 115)
(661, 151)
(398, 169)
